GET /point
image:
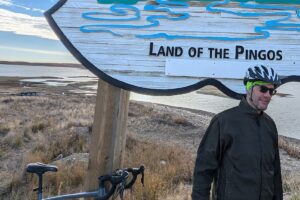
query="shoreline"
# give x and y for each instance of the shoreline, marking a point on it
(72, 65)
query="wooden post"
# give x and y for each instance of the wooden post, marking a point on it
(108, 139)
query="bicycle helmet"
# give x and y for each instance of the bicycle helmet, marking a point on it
(262, 73)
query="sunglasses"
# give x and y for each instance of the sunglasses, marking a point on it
(264, 89)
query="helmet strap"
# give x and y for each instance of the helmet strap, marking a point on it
(251, 94)
(250, 98)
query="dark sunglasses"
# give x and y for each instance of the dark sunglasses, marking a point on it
(264, 89)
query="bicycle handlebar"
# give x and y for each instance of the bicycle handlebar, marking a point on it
(120, 177)
(115, 179)
(135, 172)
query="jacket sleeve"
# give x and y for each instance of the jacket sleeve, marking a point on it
(277, 174)
(207, 161)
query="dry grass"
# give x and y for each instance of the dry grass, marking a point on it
(171, 120)
(168, 174)
(43, 129)
(38, 127)
(289, 148)
(61, 145)
(4, 130)
(291, 186)
(166, 168)
(13, 140)
(66, 180)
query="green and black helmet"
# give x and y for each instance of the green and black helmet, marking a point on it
(262, 73)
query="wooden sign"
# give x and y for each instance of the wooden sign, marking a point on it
(165, 47)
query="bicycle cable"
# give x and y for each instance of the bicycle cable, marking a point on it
(119, 191)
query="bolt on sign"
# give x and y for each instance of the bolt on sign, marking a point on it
(165, 47)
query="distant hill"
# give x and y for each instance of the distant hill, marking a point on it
(43, 64)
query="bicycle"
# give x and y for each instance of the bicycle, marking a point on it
(117, 180)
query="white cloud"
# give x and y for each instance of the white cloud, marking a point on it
(25, 24)
(5, 2)
(9, 3)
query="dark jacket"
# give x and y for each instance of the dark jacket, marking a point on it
(239, 154)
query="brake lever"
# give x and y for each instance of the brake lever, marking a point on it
(143, 178)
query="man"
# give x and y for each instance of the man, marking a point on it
(239, 151)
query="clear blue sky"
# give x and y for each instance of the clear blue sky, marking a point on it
(26, 36)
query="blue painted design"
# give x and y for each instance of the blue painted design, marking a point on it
(117, 10)
(272, 24)
(257, 1)
(265, 34)
(91, 28)
(153, 20)
(269, 25)
(167, 6)
(173, 3)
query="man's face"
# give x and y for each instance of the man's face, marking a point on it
(261, 96)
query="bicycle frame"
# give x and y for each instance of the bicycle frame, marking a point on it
(100, 194)
(96, 194)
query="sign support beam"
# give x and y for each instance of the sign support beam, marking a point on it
(107, 145)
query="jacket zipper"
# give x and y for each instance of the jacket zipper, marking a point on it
(260, 162)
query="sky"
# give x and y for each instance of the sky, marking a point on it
(25, 34)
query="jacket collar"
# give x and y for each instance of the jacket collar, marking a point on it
(245, 106)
